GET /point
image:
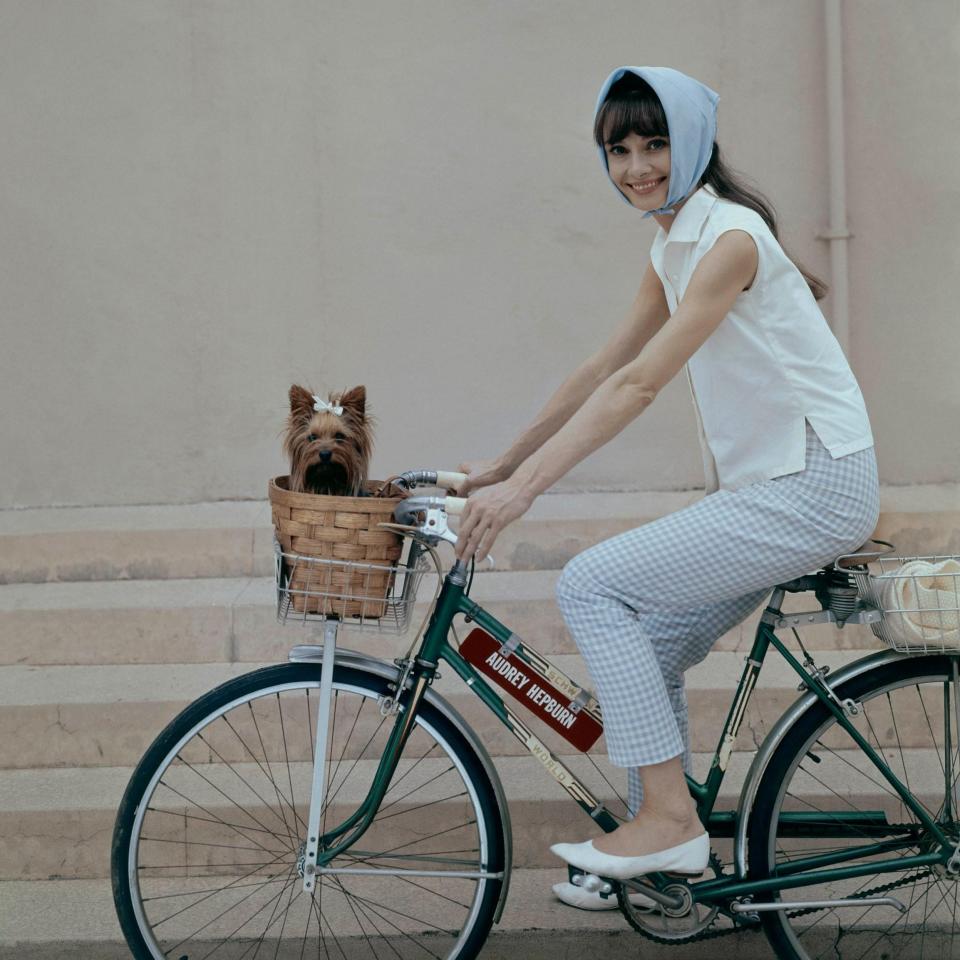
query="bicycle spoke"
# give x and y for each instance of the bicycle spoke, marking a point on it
(220, 878)
(373, 907)
(235, 885)
(273, 782)
(412, 790)
(226, 823)
(422, 806)
(410, 769)
(242, 925)
(256, 760)
(286, 760)
(897, 721)
(263, 827)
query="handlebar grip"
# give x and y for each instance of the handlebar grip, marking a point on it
(450, 479)
(454, 505)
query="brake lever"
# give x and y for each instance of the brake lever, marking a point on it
(434, 524)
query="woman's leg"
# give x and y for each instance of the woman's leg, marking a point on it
(681, 639)
(727, 547)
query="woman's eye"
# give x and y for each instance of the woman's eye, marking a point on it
(658, 144)
(616, 149)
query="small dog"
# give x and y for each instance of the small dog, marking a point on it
(329, 442)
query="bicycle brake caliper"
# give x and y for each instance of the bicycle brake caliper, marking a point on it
(818, 677)
(389, 705)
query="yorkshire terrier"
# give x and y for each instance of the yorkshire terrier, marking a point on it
(329, 442)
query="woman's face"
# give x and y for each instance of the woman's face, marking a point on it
(640, 168)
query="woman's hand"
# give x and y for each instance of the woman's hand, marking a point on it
(487, 514)
(481, 473)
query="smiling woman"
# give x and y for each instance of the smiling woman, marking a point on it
(640, 168)
(631, 120)
(788, 454)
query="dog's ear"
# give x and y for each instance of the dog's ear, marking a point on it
(355, 400)
(301, 403)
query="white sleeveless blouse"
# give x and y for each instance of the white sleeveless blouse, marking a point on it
(773, 363)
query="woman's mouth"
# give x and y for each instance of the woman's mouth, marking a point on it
(645, 187)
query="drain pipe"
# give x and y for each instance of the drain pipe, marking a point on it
(837, 234)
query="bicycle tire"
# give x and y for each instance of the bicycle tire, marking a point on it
(819, 767)
(225, 788)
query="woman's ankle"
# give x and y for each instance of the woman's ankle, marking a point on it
(674, 816)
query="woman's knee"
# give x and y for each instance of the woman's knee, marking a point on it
(577, 579)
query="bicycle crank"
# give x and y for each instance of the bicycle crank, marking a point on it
(682, 920)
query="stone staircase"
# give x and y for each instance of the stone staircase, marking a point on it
(113, 619)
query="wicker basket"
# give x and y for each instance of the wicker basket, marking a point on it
(322, 530)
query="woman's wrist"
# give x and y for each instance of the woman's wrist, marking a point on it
(504, 467)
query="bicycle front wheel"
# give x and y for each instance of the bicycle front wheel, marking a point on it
(209, 840)
(908, 714)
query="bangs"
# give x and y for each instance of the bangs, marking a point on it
(631, 107)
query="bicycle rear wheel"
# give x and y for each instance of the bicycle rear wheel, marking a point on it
(208, 844)
(909, 716)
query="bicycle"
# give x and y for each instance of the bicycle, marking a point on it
(338, 801)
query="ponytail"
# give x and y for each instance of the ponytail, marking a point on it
(728, 184)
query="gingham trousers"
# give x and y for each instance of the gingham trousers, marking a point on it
(646, 605)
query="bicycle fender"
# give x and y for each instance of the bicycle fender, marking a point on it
(313, 653)
(761, 760)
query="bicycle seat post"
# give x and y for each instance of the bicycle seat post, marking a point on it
(317, 794)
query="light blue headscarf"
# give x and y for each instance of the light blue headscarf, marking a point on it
(691, 109)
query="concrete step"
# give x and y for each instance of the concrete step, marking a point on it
(75, 920)
(108, 715)
(58, 824)
(234, 620)
(230, 539)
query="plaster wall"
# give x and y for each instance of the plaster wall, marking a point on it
(203, 202)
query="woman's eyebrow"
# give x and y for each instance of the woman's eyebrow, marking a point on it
(656, 136)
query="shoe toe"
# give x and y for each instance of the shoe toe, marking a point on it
(581, 899)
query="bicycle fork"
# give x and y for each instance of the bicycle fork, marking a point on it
(319, 791)
(344, 835)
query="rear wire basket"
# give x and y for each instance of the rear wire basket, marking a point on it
(372, 596)
(920, 601)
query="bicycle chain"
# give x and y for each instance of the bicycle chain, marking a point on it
(755, 926)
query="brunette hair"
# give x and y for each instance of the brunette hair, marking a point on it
(633, 107)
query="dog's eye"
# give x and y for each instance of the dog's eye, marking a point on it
(311, 437)
(339, 436)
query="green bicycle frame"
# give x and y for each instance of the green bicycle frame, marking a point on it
(435, 647)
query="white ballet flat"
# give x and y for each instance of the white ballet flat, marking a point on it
(584, 900)
(688, 858)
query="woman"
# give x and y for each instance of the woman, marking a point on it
(787, 446)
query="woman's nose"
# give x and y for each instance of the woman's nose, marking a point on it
(639, 164)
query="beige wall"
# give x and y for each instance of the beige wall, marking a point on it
(202, 202)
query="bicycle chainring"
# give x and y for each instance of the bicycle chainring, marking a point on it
(691, 922)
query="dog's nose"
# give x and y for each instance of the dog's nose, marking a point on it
(325, 456)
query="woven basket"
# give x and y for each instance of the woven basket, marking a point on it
(310, 525)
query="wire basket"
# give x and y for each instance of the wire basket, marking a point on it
(920, 601)
(367, 595)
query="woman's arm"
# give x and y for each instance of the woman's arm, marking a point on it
(646, 316)
(727, 269)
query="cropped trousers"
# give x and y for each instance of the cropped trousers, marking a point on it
(648, 604)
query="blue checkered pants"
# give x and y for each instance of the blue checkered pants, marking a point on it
(646, 605)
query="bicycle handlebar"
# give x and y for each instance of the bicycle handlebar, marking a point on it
(448, 479)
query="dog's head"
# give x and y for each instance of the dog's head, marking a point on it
(328, 441)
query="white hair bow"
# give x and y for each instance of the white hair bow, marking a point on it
(320, 405)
